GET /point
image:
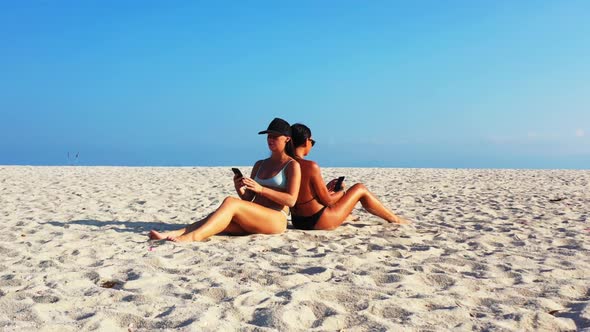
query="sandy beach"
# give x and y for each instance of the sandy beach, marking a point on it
(490, 250)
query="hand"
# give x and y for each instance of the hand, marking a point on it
(331, 185)
(239, 185)
(238, 181)
(252, 185)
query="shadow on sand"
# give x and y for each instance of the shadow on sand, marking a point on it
(139, 227)
(575, 311)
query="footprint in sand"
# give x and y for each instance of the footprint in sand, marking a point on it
(390, 312)
(440, 280)
(9, 280)
(307, 314)
(387, 278)
(264, 317)
(45, 299)
(217, 294)
(317, 273)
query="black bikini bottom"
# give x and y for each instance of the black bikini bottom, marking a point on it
(307, 223)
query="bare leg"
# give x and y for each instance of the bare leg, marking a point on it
(335, 215)
(250, 217)
(375, 207)
(234, 229)
(155, 235)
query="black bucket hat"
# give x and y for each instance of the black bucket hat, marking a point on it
(278, 126)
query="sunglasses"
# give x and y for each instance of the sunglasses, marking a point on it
(312, 141)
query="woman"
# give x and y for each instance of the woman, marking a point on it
(262, 209)
(318, 206)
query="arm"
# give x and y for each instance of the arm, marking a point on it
(247, 195)
(324, 196)
(287, 197)
(337, 195)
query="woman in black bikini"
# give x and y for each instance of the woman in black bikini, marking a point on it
(264, 197)
(318, 206)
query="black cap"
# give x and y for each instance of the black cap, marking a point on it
(277, 126)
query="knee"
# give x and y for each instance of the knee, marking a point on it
(229, 201)
(280, 230)
(359, 187)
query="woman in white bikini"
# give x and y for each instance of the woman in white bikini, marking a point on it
(319, 206)
(265, 197)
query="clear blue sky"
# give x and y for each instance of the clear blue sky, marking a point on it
(487, 84)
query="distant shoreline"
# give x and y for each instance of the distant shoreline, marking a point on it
(347, 167)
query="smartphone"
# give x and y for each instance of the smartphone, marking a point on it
(237, 172)
(338, 184)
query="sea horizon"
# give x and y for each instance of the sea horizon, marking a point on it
(249, 166)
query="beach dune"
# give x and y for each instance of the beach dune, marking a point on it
(493, 250)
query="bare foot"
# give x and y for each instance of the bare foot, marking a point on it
(401, 221)
(182, 238)
(353, 218)
(154, 235)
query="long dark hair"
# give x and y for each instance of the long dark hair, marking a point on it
(300, 133)
(290, 148)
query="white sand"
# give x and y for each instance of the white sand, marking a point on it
(490, 251)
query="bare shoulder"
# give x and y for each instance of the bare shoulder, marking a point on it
(257, 164)
(294, 163)
(309, 166)
(256, 167)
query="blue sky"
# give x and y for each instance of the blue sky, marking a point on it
(485, 84)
